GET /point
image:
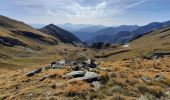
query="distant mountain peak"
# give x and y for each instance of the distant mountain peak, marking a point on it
(61, 34)
(51, 24)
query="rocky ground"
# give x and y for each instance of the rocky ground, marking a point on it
(131, 79)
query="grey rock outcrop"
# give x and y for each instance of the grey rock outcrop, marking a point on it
(76, 74)
(32, 73)
(88, 77)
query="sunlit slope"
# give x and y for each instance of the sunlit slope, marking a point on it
(22, 34)
(156, 40)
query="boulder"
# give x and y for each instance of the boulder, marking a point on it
(75, 74)
(32, 73)
(91, 76)
(88, 77)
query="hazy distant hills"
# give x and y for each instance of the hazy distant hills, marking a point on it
(82, 31)
(81, 27)
(118, 37)
(148, 28)
(110, 32)
(61, 34)
(87, 33)
(16, 33)
(94, 33)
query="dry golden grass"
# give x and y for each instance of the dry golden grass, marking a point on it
(126, 83)
(58, 72)
(76, 88)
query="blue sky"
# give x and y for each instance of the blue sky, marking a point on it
(104, 12)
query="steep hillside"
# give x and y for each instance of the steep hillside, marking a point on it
(61, 34)
(24, 46)
(14, 33)
(158, 39)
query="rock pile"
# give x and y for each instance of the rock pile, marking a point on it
(61, 64)
(79, 71)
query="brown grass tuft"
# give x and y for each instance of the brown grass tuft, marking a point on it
(76, 88)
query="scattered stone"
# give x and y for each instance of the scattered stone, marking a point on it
(118, 88)
(88, 77)
(167, 93)
(62, 62)
(32, 73)
(75, 74)
(90, 63)
(159, 77)
(146, 79)
(76, 68)
(96, 85)
(147, 97)
(58, 64)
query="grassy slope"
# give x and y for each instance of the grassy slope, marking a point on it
(8, 25)
(17, 57)
(157, 40)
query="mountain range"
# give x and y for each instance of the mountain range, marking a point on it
(18, 33)
(123, 35)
